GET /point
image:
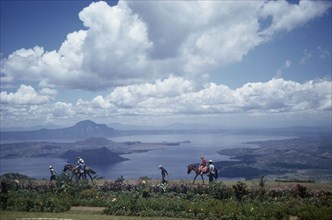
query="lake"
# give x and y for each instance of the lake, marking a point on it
(174, 158)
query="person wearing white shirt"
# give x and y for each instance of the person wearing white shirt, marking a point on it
(211, 171)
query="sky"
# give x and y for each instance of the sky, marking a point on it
(155, 63)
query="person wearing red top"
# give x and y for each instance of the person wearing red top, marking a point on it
(203, 161)
(202, 164)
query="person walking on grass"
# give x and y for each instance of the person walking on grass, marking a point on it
(53, 173)
(163, 174)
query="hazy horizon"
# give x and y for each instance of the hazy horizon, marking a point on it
(174, 126)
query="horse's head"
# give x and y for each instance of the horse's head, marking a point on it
(67, 167)
(189, 169)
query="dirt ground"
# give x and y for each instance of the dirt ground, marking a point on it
(87, 209)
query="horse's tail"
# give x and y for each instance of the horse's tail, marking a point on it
(65, 168)
(92, 171)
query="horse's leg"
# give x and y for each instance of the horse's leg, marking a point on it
(73, 174)
(90, 176)
(195, 178)
(84, 174)
(203, 179)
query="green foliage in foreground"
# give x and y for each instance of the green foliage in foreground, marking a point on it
(216, 209)
(77, 215)
(34, 202)
(142, 198)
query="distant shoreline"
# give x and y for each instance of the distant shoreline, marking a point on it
(306, 158)
(24, 149)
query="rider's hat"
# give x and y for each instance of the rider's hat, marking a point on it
(160, 166)
(210, 161)
(51, 167)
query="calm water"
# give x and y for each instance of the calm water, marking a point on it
(174, 158)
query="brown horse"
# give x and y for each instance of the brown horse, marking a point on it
(75, 171)
(198, 171)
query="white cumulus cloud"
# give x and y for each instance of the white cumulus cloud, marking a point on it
(286, 16)
(175, 97)
(27, 95)
(132, 42)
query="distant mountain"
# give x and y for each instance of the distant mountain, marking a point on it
(93, 156)
(81, 130)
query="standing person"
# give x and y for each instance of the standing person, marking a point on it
(211, 171)
(53, 173)
(163, 174)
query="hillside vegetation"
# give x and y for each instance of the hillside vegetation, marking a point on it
(148, 198)
(308, 158)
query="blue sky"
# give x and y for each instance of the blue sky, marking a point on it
(224, 63)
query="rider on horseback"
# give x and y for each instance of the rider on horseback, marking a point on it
(80, 160)
(81, 168)
(202, 166)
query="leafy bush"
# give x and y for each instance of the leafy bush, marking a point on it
(218, 190)
(300, 191)
(34, 202)
(240, 190)
(88, 194)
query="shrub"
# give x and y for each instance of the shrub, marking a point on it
(34, 202)
(300, 191)
(240, 190)
(218, 190)
(88, 194)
